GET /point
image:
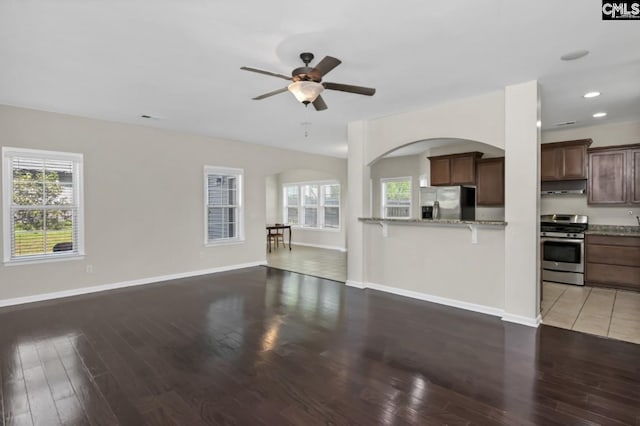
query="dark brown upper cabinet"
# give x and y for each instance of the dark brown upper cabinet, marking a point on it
(564, 160)
(490, 181)
(614, 175)
(454, 169)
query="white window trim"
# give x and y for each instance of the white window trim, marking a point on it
(239, 239)
(383, 196)
(320, 205)
(7, 201)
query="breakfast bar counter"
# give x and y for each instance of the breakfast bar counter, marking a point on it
(431, 222)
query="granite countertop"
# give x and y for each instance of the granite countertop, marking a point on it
(434, 221)
(614, 230)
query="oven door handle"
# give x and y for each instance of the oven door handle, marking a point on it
(561, 240)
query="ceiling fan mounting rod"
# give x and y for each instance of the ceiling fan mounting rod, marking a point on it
(306, 57)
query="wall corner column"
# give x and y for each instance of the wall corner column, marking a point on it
(522, 210)
(358, 175)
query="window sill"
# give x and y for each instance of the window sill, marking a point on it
(223, 243)
(53, 259)
(304, 228)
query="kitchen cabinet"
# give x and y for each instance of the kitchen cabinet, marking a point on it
(613, 261)
(634, 177)
(454, 169)
(490, 181)
(564, 160)
(614, 175)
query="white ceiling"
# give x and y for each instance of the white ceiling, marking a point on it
(179, 60)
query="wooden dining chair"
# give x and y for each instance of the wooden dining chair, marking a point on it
(276, 236)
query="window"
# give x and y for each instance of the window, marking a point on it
(396, 197)
(223, 200)
(331, 206)
(42, 205)
(291, 205)
(312, 205)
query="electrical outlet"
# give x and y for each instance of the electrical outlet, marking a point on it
(89, 269)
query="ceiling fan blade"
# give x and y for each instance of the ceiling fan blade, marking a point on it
(326, 65)
(319, 104)
(368, 91)
(272, 74)
(266, 95)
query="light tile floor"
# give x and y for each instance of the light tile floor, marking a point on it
(601, 311)
(324, 263)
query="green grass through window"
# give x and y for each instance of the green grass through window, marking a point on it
(29, 243)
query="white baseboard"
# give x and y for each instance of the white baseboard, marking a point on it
(518, 319)
(343, 249)
(356, 284)
(123, 284)
(437, 299)
(483, 309)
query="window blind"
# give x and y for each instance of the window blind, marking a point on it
(44, 212)
(223, 198)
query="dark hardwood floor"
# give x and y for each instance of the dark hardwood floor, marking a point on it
(268, 347)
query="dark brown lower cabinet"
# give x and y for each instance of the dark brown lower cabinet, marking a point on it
(613, 261)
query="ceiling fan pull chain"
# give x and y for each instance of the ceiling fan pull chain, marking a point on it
(306, 121)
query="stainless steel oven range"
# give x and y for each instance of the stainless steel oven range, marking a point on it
(562, 238)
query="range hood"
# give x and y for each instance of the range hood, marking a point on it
(564, 187)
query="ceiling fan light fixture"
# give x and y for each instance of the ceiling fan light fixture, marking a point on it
(305, 91)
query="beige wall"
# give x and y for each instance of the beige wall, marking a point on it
(489, 151)
(271, 196)
(522, 209)
(144, 213)
(439, 261)
(602, 135)
(479, 118)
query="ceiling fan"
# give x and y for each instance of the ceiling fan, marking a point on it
(307, 82)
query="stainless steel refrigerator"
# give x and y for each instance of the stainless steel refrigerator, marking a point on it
(454, 202)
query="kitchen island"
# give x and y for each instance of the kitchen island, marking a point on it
(433, 221)
(458, 263)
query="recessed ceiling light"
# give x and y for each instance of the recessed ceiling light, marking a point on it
(591, 94)
(572, 56)
(599, 114)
